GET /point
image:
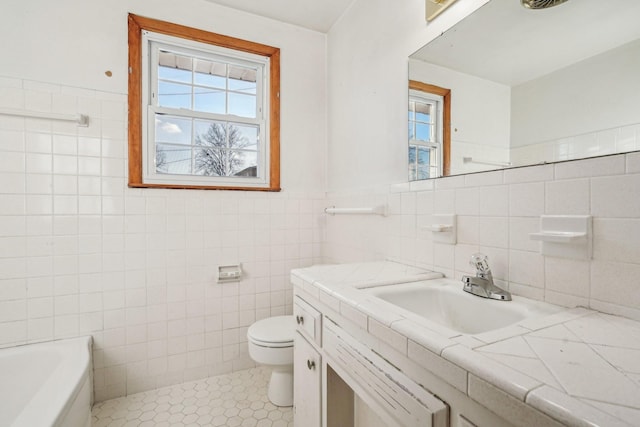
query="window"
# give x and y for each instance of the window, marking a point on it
(203, 109)
(429, 133)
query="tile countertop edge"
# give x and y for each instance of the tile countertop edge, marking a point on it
(510, 381)
(562, 407)
(531, 392)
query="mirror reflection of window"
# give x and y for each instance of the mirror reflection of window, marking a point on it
(425, 142)
(428, 141)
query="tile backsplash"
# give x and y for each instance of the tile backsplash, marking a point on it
(496, 211)
(83, 254)
(599, 143)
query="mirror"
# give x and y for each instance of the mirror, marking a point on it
(530, 86)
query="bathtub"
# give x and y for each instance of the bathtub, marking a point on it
(46, 384)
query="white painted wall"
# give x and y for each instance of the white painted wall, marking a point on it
(593, 95)
(80, 253)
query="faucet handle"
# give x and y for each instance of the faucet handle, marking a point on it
(480, 262)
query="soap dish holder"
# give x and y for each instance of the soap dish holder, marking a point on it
(443, 228)
(558, 236)
(565, 236)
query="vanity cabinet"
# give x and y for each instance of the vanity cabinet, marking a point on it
(307, 365)
(337, 379)
(307, 380)
(381, 366)
(344, 377)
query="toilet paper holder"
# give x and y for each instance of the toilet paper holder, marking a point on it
(229, 273)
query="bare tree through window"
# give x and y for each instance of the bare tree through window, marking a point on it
(217, 150)
(161, 159)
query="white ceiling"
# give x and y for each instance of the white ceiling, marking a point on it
(506, 43)
(318, 15)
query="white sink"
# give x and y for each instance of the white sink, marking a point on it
(444, 302)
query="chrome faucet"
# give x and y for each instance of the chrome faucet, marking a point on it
(482, 284)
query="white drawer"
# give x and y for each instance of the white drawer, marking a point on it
(308, 319)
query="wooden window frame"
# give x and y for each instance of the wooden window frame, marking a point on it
(446, 119)
(137, 24)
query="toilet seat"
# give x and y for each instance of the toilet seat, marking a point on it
(272, 344)
(273, 332)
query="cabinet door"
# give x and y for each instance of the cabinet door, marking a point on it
(307, 382)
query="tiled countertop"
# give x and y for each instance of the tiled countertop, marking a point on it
(578, 366)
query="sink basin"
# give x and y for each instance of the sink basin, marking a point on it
(444, 302)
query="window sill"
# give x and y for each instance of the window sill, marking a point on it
(202, 187)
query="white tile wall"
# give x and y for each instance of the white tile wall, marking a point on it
(496, 212)
(82, 254)
(598, 143)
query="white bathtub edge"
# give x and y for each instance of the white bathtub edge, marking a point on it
(64, 398)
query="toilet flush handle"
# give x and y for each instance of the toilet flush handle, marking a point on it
(299, 320)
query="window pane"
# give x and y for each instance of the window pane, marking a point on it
(424, 112)
(210, 161)
(210, 80)
(242, 105)
(425, 118)
(242, 79)
(171, 129)
(244, 163)
(209, 100)
(424, 159)
(174, 95)
(172, 159)
(166, 73)
(412, 163)
(247, 136)
(423, 132)
(422, 172)
(211, 133)
(212, 156)
(424, 154)
(411, 133)
(174, 67)
(210, 73)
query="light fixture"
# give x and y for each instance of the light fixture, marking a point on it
(434, 8)
(540, 4)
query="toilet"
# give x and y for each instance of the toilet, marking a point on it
(270, 343)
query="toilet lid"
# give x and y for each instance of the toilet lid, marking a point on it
(275, 330)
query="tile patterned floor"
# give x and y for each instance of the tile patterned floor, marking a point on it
(237, 399)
